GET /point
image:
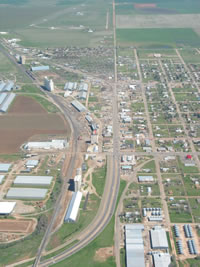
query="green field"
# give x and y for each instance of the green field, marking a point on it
(158, 38)
(86, 256)
(56, 23)
(170, 6)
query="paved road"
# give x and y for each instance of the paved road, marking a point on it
(109, 199)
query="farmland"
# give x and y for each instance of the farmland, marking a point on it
(158, 38)
(56, 22)
(22, 123)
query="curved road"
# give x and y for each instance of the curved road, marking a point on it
(108, 203)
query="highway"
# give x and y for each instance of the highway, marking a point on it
(108, 203)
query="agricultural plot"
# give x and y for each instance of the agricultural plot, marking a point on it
(57, 23)
(19, 125)
(158, 38)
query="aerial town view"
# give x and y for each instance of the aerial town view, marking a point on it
(100, 133)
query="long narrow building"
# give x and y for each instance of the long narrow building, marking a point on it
(134, 245)
(73, 207)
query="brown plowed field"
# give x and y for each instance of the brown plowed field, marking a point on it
(25, 121)
(28, 104)
(15, 226)
(145, 5)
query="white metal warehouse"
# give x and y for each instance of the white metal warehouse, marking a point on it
(73, 207)
(6, 207)
(145, 179)
(134, 245)
(161, 260)
(158, 238)
(26, 193)
(32, 163)
(54, 144)
(4, 167)
(33, 180)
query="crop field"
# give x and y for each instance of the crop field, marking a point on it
(158, 21)
(17, 128)
(56, 23)
(158, 38)
(158, 6)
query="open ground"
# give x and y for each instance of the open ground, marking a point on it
(19, 226)
(19, 125)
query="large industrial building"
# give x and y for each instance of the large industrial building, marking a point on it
(73, 207)
(6, 87)
(70, 86)
(161, 259)
(26, 193)
(4, 167)
(134, 245)
(54, 144)
(158, 238)
(33, 180)
(48, 84)
(77, 105)
(5, 101)
(40, 68)
(6, 207)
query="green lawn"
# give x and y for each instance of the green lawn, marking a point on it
(98, 179)
(158, 38)
(30, 88)
(83, 220)
(50, 107)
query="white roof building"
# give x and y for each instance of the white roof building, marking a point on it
(73, 207)
(6, 207)
(32, 163)
(161, 260)
(4, 167)
(26, 193)
(134, 245)
(1, 178)
(33, 180)
(145, 178)
(54, 144)
(158, 238)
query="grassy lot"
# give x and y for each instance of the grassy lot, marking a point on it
(31, 89)
(51, 108)
(151, 202)
(158, 38)
(179, 213)
(154, 187)
(187, 169)
(6, 66)
(195, 209)
(69, 229)
(150, 165)
(174, 187)
(87, 255)
(50, 255)
(190, 55)
(191, 188)
(98, 179)
(13, 157)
